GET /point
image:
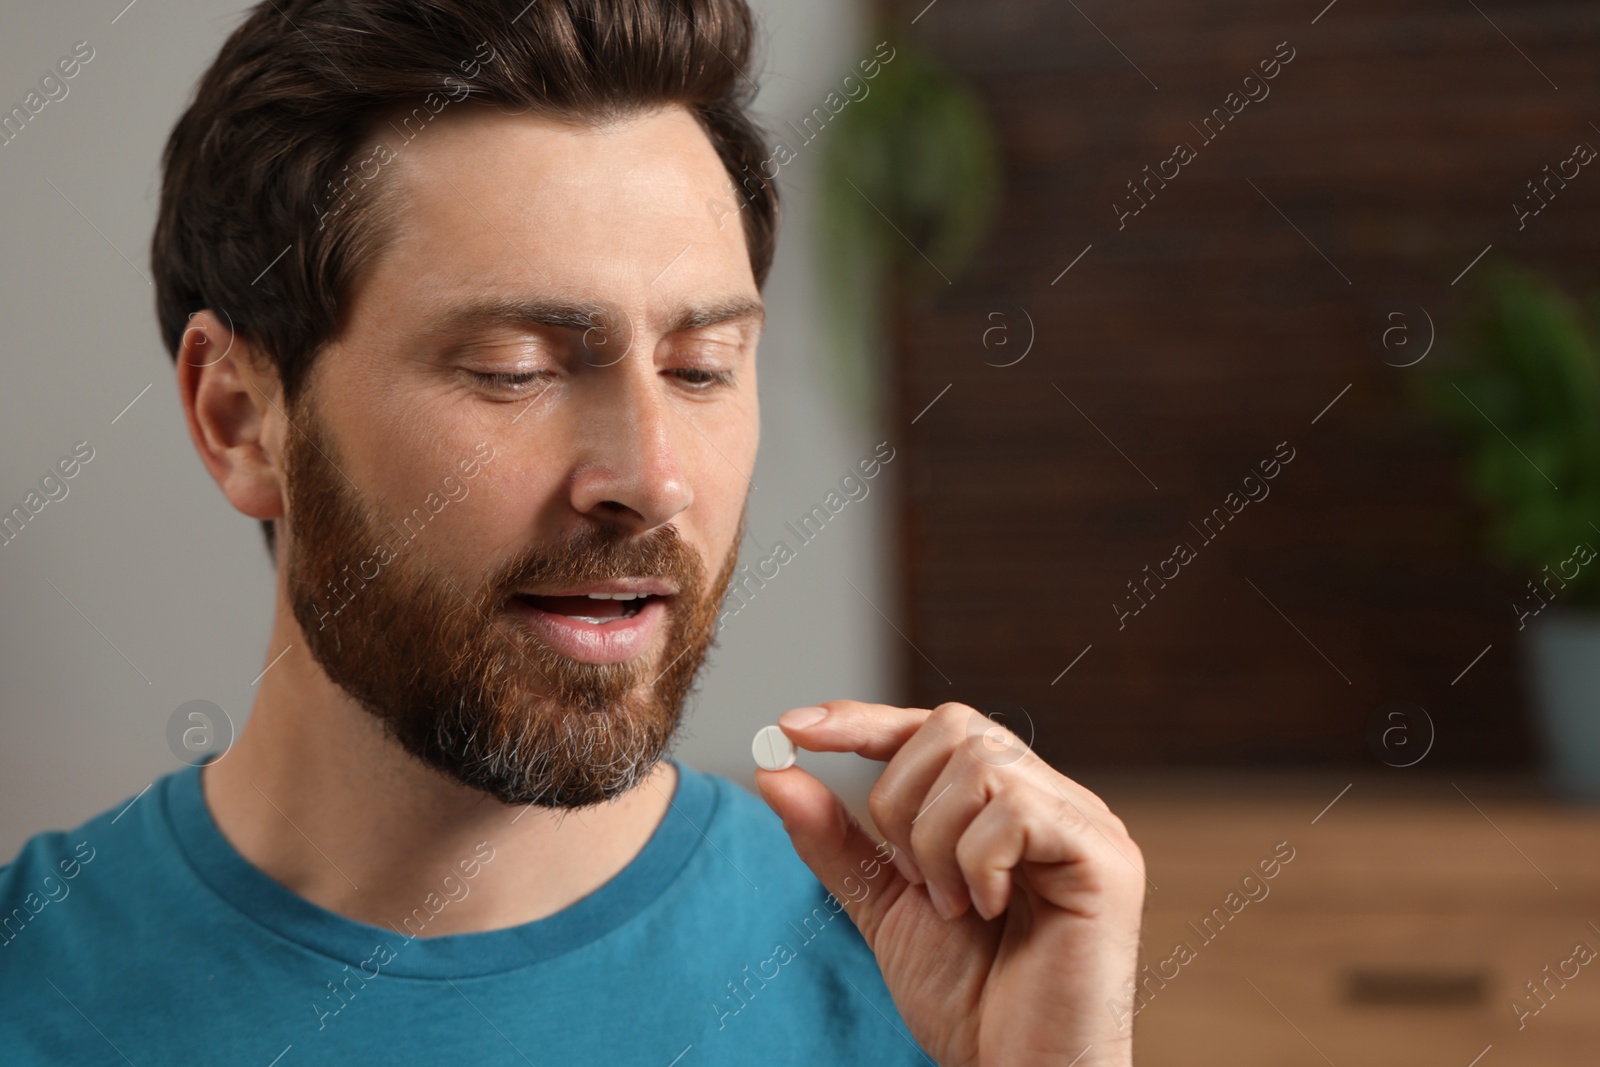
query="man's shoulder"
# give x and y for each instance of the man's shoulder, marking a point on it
(65, 886)
(62, 855)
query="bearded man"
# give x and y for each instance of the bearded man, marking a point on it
(464, 298)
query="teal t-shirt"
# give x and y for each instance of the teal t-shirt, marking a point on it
(144, 937)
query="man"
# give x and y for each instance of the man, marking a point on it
(464, 299)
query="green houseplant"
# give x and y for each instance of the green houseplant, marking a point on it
(908, 186)
(1523, 393)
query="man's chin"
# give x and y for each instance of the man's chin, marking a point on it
(565, 754)
(574, 788)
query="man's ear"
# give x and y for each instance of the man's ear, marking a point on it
(233, 404)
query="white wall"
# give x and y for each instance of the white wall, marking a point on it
(142, 589)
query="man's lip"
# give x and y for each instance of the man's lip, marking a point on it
(613, 641)
(639, 587)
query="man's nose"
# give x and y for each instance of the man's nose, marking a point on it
(633, 469)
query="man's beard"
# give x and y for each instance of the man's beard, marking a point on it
(453, 677)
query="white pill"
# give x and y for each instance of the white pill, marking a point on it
(773, 749)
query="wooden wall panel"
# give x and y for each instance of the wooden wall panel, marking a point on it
(1200, 336)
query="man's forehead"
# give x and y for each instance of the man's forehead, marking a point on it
(652, 158)
(566, 225)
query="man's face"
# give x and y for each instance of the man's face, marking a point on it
(516, 480)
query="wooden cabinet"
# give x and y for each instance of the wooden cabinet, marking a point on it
(1409, 922)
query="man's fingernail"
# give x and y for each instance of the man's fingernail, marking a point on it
(907, 868)
(941, 903)
(800, 718)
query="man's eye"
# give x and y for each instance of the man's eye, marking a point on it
(508, 381)
(700, 378)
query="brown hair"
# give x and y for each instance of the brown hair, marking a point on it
(257, 173)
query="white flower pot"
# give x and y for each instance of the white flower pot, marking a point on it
(1563, 651)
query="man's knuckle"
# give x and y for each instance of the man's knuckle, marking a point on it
(922, 839)
(880, 805)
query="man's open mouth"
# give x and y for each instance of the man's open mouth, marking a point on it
(595, 608)
(603, 621)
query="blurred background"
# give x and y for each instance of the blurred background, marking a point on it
(1239, 366)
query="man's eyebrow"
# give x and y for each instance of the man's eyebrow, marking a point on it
(511, 312)
(580, 315)
(736, 309)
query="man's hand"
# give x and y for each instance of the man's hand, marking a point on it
(1008, 925)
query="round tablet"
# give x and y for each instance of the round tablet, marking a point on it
(773, 749)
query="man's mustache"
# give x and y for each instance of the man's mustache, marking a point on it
(600, 554)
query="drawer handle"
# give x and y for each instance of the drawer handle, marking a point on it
(1411, 988)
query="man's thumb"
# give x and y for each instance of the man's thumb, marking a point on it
(834, 844)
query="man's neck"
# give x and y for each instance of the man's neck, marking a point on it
(318, 798)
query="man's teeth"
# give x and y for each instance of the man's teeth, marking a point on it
(635, 604)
